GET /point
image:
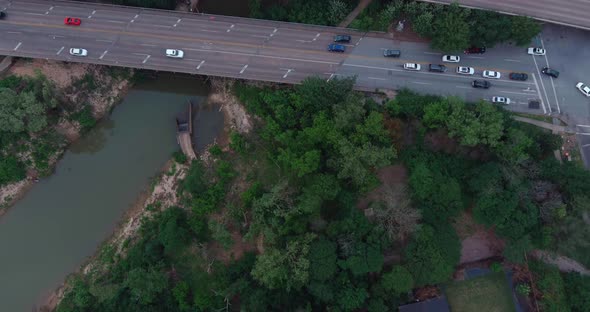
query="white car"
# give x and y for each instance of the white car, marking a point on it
(583, 88)
(500, 100)
(174, 53)
(465, 70)
(412, 66)
(536, 51)
(451, 58)
(491, 74)
(78, 52)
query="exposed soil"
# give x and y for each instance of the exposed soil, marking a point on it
(477, 242)
(407, 34)
(563, 263)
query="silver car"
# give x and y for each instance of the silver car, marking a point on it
(451, 58)
(463, 70)
(500, 100)
(78, 52)
(491, 74)
(583, 88)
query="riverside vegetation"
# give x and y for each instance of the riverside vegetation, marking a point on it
(272, 221)
(36, 116)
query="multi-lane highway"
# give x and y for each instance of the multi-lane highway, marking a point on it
(572, 13)
(254, 49)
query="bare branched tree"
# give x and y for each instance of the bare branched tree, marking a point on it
(393, 210)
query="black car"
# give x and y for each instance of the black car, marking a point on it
(550, 72)
(475, 50)
(2, 14)
(392, 53)
(518, 76)
(342, 38)
(437, 68)
(484, 84)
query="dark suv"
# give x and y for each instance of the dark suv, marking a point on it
(437, 68)
(392, 53)
(342, 38)
(475, 50)
(484, 84)
(2, 14)
(550, 72)
(518, 76)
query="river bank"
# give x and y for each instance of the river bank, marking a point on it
(98, 87)
(163, 192)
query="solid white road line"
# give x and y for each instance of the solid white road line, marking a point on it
(58, 52)
(17, 46)
(112, 21)
(551, 78)
(422, 83)
(583, 126)
(539, 93)
(520, 93)
(542, 84)
(14, 32)
(376, 78)
(147, 45)
(243, 69)
(27, 13)
(103, 54)
(433, 53)
(262, 56)
(511, 60)
(585, 145)
(200, 64)
(475, 57)
(103, 40)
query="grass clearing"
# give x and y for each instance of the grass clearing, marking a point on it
(489, 293)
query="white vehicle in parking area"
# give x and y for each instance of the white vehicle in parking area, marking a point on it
(451, 58)
(174, 53)
(536, 51)
(583, 88)
(491, 74)
(463, 70)
(500, 100)
(412, 66)
(78, 52)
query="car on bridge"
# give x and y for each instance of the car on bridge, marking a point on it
(342, 38)
(550, 72)
(518, 76)
(336, 47)
(411, 66)
(74, 21)
(583, 88)
(463, 70)
(482, 84)
(392, 53)
(500, 100)
(174, 53)
(78, 52)
(536, 51)
(451, 58)
(475, 50)
(437, 68)
(491, 74)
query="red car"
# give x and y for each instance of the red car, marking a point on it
(475, 50)
(72, 21)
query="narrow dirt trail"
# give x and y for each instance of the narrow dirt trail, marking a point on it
(352, 15)
(563, 263)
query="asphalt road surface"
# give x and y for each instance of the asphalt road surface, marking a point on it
(573, 13)
(254, 49)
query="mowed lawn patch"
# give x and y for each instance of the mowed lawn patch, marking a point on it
(489, 293)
